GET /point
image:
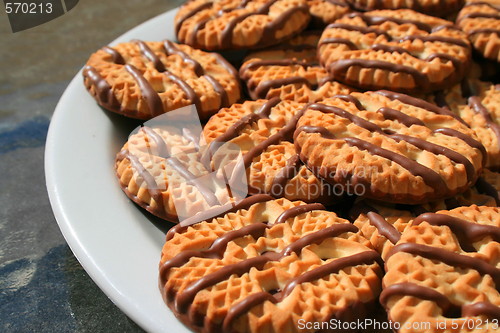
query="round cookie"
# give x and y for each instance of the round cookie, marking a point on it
(398, 50)
(395, 147)
(481, 21)
(383, 224)
(478, 104)
(444, 272)
(441, 8)
(289, 71)
(239, 24)
(162, 172)
(267, 265)
(145, 79)
(326, 11)
(263, 130)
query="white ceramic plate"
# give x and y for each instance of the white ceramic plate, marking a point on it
(114, 241)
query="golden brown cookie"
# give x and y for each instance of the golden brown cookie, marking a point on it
(481, 21)
(290, 71)
(239, 24)
(263, 130)
(326, 11)
(145, 79)
(478, 104)
(394, 147)
(441, 8)
(443, 275)
(399, 50)
(383, 224)
(162, 172)
(266, 266)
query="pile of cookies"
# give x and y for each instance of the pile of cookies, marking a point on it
(369, 133)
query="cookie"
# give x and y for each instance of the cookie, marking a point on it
(263, 130)
(441, 8)
(145, 79)
(478, 104)
(326, 11)
(481, 21)
(267, 265)
(394, 147)
(239, 24)
(162, 172)
(290, 71)
(383, 224)
(399, 50)
(443, 273)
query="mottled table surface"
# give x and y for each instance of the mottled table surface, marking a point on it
(43, 288)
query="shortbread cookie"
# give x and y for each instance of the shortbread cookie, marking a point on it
(239, 24)
(444, 272)
(289, 71)
(145, 79)
(441, 8)
(481, 21)
(394, 147)
(383, 224)
(399, 50)
(263, 130)
(267, 265)
(478, 103)
(326, 11)
(162, 172)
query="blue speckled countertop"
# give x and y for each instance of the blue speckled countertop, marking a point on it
(43, 288)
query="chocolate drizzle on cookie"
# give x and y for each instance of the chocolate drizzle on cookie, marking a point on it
(384, 228)
(477, 106)
(467, 232)
(339, 67)
(242, 13)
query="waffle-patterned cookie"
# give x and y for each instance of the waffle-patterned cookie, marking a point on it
(395, 147)
(289, 71)
(163, 173)
(326, 11)
(383, 224)
(145, 79)
(481, 21)
(444, 272)
(478, 104)
(399, 50)
(441, 8)
(239, 24)
(266, 266)
(263, 130)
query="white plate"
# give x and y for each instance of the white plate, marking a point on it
(113, 240)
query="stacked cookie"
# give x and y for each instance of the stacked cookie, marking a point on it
(367, 170)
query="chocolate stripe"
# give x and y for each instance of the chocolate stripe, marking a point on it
(191, 13)
(486, 188)
(384, 228)
(150, 55)
(449, 258)
(399, 116)
(477, 106)
(151, 97)
(103, 90)
(412, 289)
(481, 309)
(171, 49)
(466, 232)
(115, 55)
(292, 167)
(186, 88)
(296, 211)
